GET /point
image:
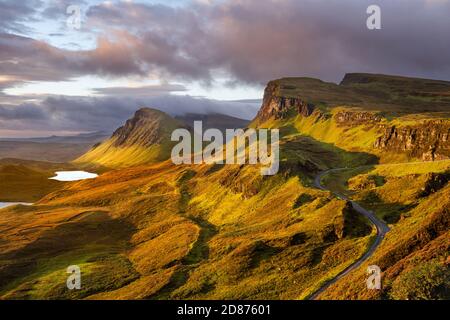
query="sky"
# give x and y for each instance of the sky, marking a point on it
(202, 56)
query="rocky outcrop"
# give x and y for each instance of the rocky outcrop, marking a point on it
(345, 224)
(429, 141)
(356, 118)
(365, 182)
(434, 183)
(143, 139)
(146, 128)
(280, 107)
(279, 103)
(364, 100)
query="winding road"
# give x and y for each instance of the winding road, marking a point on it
(381, 227)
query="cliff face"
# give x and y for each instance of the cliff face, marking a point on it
(428, 141)
(145, 138)
(279, 107)
(146, 128)
(363, 106)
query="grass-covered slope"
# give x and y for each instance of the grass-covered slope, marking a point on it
(414, 256)
(414, 199)
(166, 231)
(27, 180)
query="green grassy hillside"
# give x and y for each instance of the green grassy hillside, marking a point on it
(27, 180)
(182, 232)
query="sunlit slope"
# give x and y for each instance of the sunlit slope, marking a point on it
(222, 232)
(166, 231)
(27, 180)
(145, 138)
(414, 258)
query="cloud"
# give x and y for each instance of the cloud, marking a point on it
(23, 112)
(245, 41)
(250, 41)
(255, 41)
(78, 114)
(144, 91)
(15, 14)
(57, 8)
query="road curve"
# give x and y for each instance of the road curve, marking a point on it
(381, 227)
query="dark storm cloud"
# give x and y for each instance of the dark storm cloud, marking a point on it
(253, 41)
(256, 41)
(145, 91)
(92, 114)
(250, 41)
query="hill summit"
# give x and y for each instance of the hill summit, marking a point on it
(147, 128)
(145, 138)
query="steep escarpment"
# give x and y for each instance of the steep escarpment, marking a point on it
(278, 106)
(428, 141)
(146, 128)
(145, 138)
(393, 117)
(391, 96)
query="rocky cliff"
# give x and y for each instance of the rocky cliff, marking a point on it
(356, 118)
(148, 127)
(145, 138)
(277, 106)
(370, 101)
(429, 141)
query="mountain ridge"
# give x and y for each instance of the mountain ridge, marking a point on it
(144, 138)
(329, 111)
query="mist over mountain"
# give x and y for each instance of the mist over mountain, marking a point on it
(214, 121)
(84, 114)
